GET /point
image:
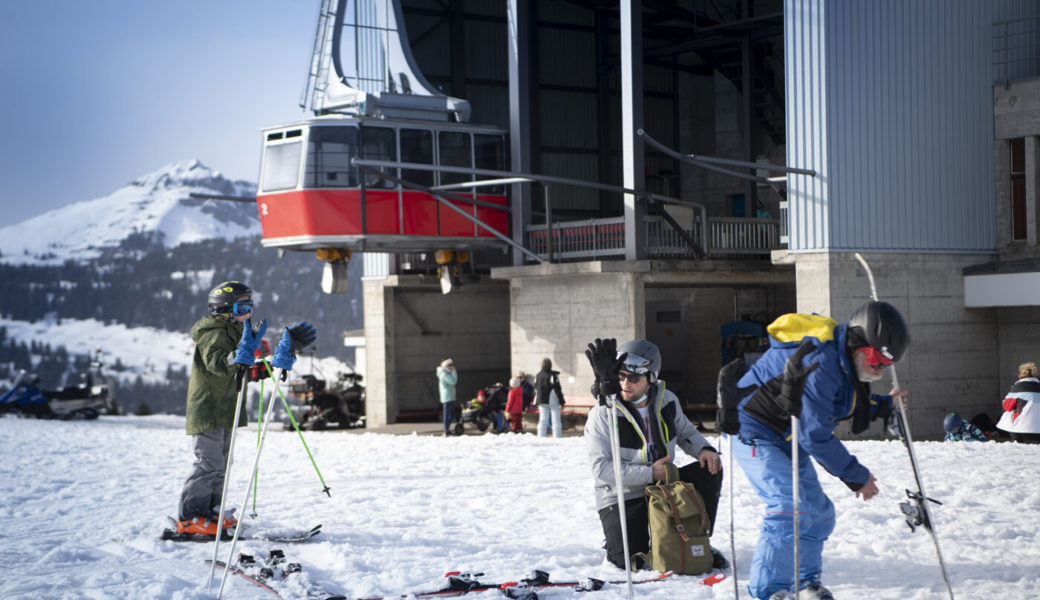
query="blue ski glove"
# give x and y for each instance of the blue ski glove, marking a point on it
(250, 341)
(294, 338)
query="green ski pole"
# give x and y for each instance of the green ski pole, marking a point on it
(285, 403)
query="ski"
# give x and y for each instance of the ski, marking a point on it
(460, 584)
(916, 511)
(278, 537)
(267, 573)
(244, 575)
(528, 588)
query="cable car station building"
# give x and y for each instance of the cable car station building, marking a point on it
(682, 171)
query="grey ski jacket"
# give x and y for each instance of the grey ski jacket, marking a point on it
(669, 428)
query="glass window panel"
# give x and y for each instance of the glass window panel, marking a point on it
(417, 147)
(379, 143)
(281, 166)
(455, 151)
(328, 157)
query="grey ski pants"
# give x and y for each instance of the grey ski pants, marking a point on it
(201, 494)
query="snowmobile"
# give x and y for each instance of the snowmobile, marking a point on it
(321, 408)
(87, 400)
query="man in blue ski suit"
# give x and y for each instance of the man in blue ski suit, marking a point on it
(834, 365)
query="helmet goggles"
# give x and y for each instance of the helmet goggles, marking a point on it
(242, 307)
(875, 358)
(636, 364)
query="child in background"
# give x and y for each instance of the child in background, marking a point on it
(515, 405)
(959, 430)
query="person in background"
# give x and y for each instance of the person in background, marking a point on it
(1021, 418)
(515, 406)
(528, 389)
(549, 396)
(447, 379)
(959, 430)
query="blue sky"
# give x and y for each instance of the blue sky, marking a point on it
(95, 94)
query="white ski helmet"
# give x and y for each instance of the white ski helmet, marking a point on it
(643, 357)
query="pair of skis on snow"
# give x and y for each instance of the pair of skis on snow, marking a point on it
(265, 574)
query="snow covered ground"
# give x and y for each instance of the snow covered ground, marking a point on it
(82, 505)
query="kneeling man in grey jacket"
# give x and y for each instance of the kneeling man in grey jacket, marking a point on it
(650, 425)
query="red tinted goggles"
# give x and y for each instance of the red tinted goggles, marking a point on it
(875, 358)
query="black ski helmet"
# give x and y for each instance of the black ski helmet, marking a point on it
(952, 422)
(224, 295)
(643, 357)
(880, 326)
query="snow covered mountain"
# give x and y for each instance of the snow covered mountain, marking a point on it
(129, 272)
(158, 206)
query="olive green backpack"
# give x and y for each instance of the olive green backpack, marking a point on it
(679, 526)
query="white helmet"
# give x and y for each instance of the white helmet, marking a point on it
(643, 357)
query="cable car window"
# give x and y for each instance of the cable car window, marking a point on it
(378, 143)
(488, 154)
(417, 147)
(455, 151)
(281, 166)
(329, 150)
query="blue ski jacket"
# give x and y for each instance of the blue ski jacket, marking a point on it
(832, 394)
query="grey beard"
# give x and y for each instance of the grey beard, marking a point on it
(868, 377)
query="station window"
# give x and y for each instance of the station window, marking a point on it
(281, 166)
(455, 151)
(379, 143)
(328, 157)
(417, 147)
(1018, 189)
(488, 154)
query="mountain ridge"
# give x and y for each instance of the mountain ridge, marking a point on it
(157, 205)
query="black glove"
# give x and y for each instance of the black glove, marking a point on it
(729, 395)
(298, 337)
(793, 381)
(606, 363)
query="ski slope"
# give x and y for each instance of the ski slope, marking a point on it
(83, 504)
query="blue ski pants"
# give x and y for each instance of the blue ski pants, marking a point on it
(768, 468)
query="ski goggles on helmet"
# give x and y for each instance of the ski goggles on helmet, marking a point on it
(242, 307)
(636, 364)
(875, 358)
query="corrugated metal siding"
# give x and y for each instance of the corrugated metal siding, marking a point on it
(890, 102)
(806, 128)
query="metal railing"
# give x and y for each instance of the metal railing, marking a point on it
(600, 238)
(592, 238)
(1016, 49)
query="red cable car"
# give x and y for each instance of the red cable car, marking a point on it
(312, 196)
